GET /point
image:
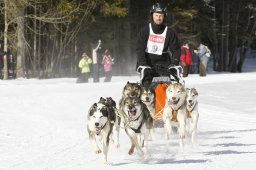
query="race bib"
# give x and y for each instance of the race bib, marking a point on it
(155, 44)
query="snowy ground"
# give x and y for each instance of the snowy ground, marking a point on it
(43, 126)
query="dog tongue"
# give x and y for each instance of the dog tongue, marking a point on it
(132, 113)
(174, 102)
(98, 129)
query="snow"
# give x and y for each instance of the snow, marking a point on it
(43, 126)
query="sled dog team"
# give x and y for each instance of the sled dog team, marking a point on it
(136, 112)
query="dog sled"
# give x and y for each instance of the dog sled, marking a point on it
(159, 85)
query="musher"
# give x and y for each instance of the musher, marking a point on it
(157, 47)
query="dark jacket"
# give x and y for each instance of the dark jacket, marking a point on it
(171, 44)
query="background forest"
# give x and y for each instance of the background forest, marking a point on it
(45, 38)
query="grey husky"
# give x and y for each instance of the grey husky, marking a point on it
(139, 123)
(148, 98)
(192, 112)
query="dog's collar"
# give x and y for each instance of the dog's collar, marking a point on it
(138, 129)
(189, 111)
(190, 108)
(176, 109)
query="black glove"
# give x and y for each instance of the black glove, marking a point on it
(143, 68)
(172, 71)
(148, 70)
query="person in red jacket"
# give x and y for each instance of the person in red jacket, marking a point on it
(185, 58)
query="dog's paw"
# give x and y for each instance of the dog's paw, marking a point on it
(182, 135)
(98, 151)
(117, 145)
(131, 151)
(167, 136)
(112, 141)
(191, 131)
(145, 150)
(107, 163)
(141, 152)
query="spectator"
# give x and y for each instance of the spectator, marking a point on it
(95, 66)
(84, 65)
(203, 53)
(194, 69)
(11, 65)
(107, 62)
(185, 58)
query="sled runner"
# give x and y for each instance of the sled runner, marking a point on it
(159, 85)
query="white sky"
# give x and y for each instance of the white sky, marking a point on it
(43, 126)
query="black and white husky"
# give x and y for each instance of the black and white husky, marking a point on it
(192, 112)
(102, 122)
(138, 125)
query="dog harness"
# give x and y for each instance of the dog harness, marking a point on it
(190, 112)
(174, 116)
(139, 128)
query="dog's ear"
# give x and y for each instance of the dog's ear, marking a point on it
(187, 89)
(112, 102)
(105, 111)
(196, 93)
(95, 105)
(102, 100)
(93, 109)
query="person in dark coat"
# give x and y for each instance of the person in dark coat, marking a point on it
(157, 46)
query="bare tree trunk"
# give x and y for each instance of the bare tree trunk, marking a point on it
(224, 53)
(226, 28)
(233, 56)
(221, 62)
(20, 44)
(251, 27)
(74, 65)
(39, 51)
(243, 50)
(5, 69)
(216, 54)
(35, 45)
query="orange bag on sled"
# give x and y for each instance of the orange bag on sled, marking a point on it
(160, 99)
